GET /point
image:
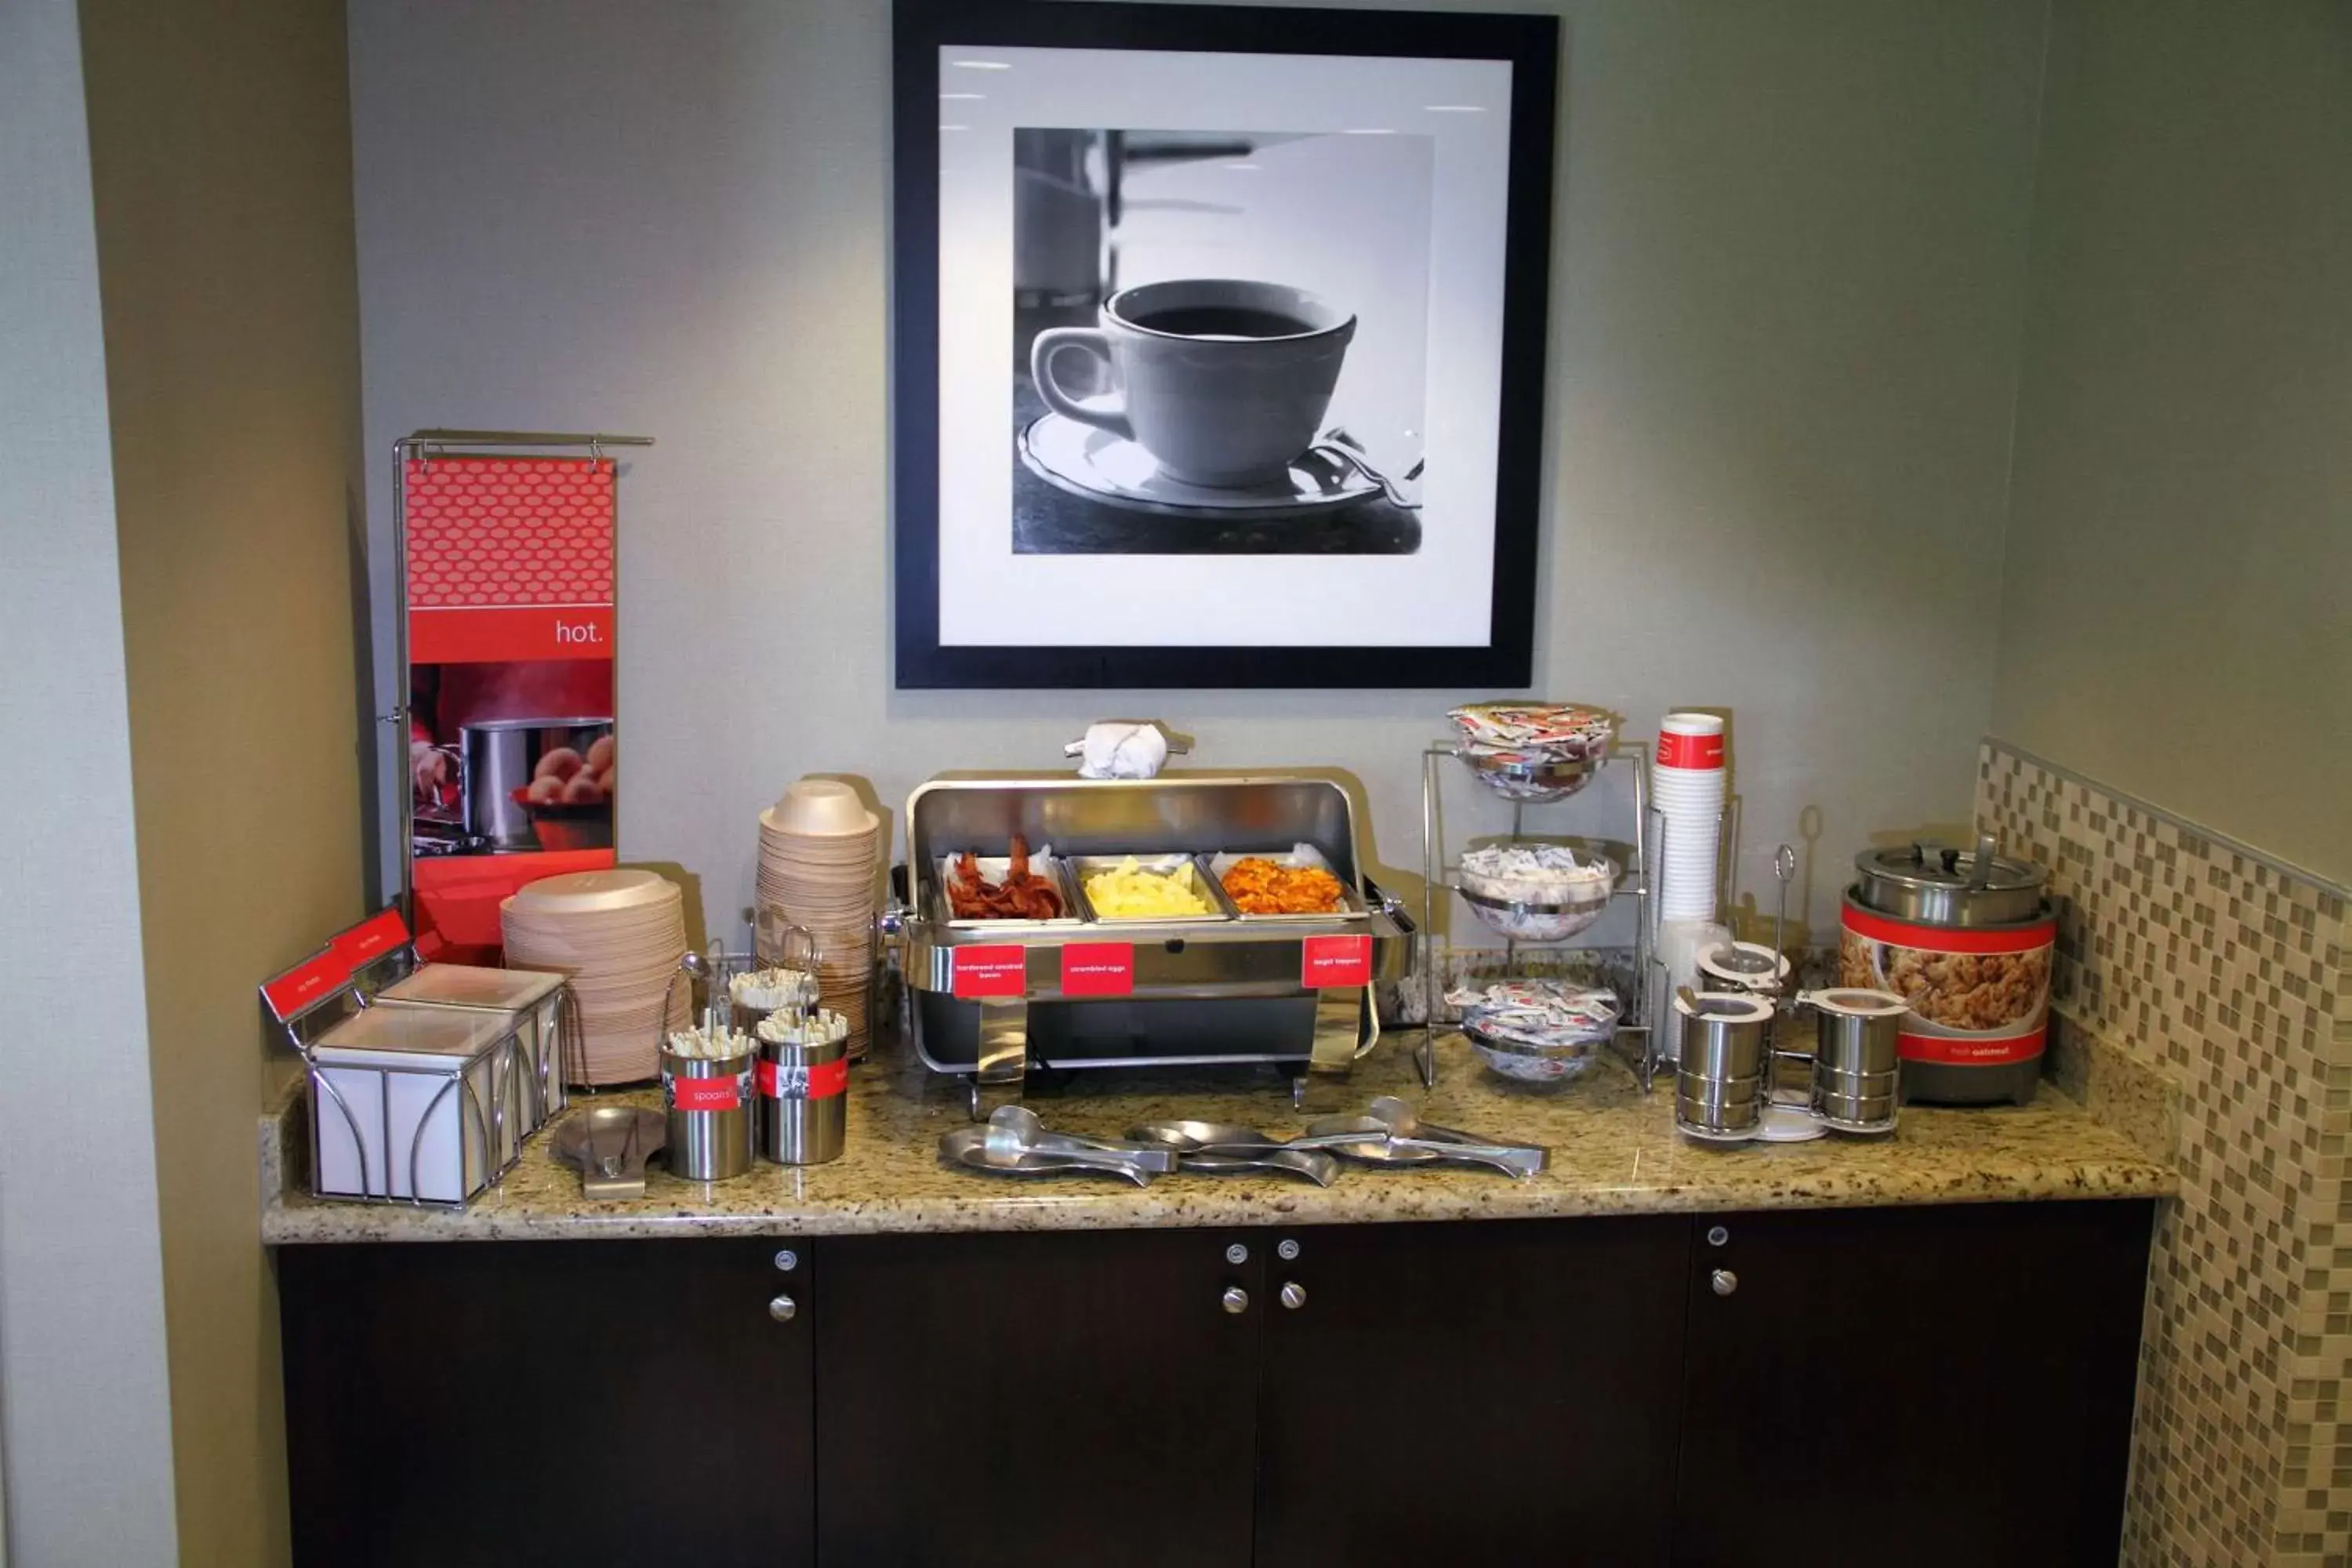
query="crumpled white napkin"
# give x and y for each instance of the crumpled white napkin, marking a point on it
(1123, 752)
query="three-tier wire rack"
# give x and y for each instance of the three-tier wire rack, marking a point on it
(1645, 843)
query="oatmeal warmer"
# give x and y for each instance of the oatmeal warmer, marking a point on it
(1965, 937)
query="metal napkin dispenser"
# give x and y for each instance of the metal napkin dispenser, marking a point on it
(993, 997)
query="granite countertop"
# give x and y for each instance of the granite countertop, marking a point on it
(1613, 1151)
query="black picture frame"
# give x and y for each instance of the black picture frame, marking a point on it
(920, 28)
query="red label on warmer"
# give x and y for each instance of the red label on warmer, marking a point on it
(998, 970)
(1973, 1050)
(1328, 960)
(1689, 750)
(305, 983)
(707, 1093)
(819, 1082)
(1952, 939)
(371, 938)
(1098, 969)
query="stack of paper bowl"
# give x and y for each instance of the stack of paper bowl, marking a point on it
(820, 854)
(1687, 787)
(619, 936)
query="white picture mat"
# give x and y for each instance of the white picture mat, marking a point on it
(1441, 596)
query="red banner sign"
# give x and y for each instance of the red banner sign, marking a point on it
(1328, 960)
(305, 982)
(458, 635)
(1098, 969)
(996, 970)
(371, 938)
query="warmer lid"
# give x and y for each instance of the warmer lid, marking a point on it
(467, 986)
(372, 1035)
(1925, 867)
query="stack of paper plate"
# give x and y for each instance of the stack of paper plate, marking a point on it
(619, 936)
(820, 860)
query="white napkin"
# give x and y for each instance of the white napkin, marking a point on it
(1123, 752)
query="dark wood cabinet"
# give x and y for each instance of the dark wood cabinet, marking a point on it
(1946, 1387)
(1497, 1393)
(1024, 1398)
(558, 1402)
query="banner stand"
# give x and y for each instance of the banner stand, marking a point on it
(505, 587)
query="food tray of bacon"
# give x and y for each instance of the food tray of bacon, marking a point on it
(995, 889)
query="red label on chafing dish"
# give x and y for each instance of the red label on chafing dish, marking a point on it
(305, 982)
(998, 970)
(1973, 1050)
(1098, 969)
(819, 1082)
(706, 1093)
(1689, 750)
(1328, 961)
(371, 938)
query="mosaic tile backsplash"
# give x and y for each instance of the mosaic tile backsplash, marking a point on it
(2228, 974)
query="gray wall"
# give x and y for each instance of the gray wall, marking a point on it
(84, 1403)
(2177, 613)
(1787, 284)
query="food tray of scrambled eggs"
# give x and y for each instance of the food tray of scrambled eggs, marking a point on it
(1292, 884)
(1116, 888)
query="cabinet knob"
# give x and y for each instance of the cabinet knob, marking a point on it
(1294, 1294)
(784, 1308)
(1723, 1281)
(1235, 1299)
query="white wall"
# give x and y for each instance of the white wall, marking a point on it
(84, 1404)
(1786, 292)
(2176, 620)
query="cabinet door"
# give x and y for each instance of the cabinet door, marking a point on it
(1029, 1398)
(1946, 1387)
(1471, 1394)
(548, 1402)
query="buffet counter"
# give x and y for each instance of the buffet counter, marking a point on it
(1613, 1151)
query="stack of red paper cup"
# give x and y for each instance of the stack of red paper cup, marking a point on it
(1687, 787)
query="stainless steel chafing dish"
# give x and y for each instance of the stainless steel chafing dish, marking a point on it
(992, 998)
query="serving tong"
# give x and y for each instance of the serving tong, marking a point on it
(1015, 1141)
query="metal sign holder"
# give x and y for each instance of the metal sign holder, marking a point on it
(426, 446)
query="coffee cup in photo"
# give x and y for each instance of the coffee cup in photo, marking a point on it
(1222, 380)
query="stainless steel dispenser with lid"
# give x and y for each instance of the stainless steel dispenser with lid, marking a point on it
(1967, 939)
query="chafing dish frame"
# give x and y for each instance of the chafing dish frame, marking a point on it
(1207, 959)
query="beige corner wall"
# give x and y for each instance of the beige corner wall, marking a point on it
(220, 147)
(2176, 609)
(85, 1427)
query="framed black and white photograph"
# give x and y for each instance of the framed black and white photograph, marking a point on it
(1219, 341)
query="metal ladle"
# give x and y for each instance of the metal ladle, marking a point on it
(1016, 1130)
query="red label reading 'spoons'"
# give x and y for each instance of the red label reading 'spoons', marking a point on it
(707, 1093)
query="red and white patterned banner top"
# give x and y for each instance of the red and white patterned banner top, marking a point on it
(507, 532)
